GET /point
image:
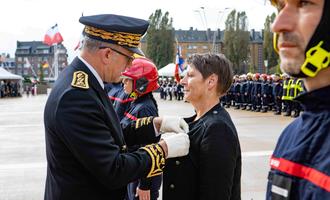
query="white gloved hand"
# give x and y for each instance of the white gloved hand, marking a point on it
(173, 124)
(164, 135)
(177, 144)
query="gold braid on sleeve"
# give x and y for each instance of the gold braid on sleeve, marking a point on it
(157, 156)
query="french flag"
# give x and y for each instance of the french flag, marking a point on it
(178, 64)
(53, 36)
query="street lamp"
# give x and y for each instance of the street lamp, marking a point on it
(266, 65)
(218, 22)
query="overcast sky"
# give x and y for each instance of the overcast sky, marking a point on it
(28, 20)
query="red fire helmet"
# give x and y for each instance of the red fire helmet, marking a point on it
(144, 74)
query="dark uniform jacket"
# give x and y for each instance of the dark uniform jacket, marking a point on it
(120, 100)
(300, 164)
(143, 106)
(212, 169)
(85, 145)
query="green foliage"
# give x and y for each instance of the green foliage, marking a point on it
(268, 49)
(27, 79)
(41, 72)
(160, 39)
(236, 40)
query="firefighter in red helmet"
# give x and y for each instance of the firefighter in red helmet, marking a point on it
(139, 82)
(144, 76)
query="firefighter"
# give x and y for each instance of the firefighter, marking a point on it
(300, 164)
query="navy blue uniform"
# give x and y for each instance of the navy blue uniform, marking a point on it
(301, 162)
(143, 106)
(277, 95)
(120, 100)
(243, 90)
(265, 95)
(237, 94)
(85, 146)
(256, 96)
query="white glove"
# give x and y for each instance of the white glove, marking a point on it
(173, 124)
(177, 144)
(164, 135)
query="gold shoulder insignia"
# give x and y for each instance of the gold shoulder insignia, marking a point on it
(80, 80)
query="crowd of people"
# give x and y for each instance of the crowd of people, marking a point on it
(169, 89)
(10, 89)
(263, 93)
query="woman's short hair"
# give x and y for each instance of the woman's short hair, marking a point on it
(208, 64)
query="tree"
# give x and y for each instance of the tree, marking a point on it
(269, 53)
(236, 40)
(41, 72)
(160, 39)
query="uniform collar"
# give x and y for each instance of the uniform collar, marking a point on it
(97, 76)
(316, 99)
(213, 111)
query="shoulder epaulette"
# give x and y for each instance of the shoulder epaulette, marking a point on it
(80, 80)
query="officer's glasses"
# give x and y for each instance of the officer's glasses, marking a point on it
(129, 58)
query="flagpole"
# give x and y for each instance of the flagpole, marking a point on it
(55, 62)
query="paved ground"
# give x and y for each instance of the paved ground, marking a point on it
(22, 147)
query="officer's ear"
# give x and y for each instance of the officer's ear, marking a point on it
(105, 55)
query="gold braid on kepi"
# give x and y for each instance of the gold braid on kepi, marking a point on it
(157, 156)
(121, 38)
(116, 29)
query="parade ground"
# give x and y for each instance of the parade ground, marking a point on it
(23, 159)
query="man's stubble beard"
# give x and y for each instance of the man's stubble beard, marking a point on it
(291, 64)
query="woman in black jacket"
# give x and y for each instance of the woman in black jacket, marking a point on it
(212, 169)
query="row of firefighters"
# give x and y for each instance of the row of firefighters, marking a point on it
(262, 93)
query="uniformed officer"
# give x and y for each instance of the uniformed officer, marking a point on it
(300, 164)
(277, 88)
(85, 146)
(286, 98)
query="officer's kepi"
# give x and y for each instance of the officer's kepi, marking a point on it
(116, 29)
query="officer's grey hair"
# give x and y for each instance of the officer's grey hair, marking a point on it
(93, 45)
(208, 64)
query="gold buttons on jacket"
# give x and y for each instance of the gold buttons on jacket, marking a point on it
(177, 162)
(172, 186)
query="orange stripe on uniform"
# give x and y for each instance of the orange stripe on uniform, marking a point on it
(295, 169)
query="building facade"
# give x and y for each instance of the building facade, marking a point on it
(7, 63)
(195, 41)
(29, 56)
(256, 51)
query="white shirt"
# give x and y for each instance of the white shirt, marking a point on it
(97, 76)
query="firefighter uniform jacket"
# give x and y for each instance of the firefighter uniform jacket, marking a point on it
(143, 106)
(212, 169)
(85, 145)
(300, 164)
